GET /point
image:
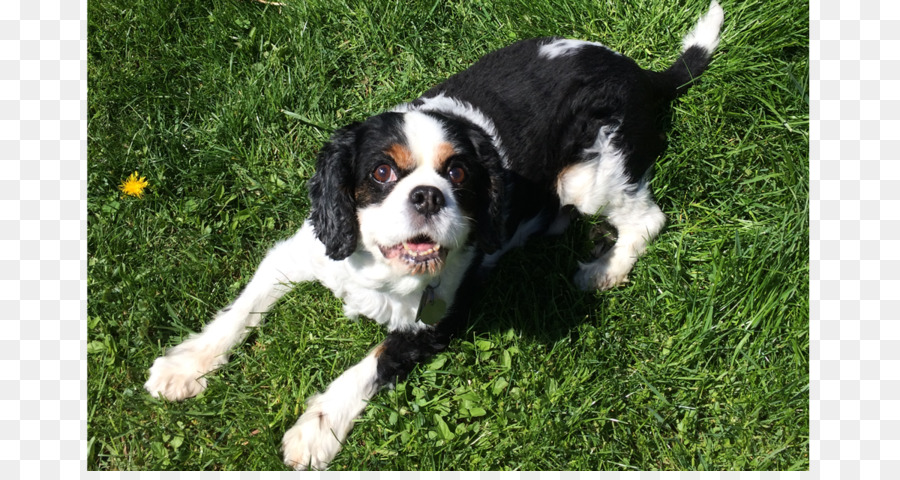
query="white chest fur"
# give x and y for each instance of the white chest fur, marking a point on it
(373, 288)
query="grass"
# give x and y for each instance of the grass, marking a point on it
(701, 362)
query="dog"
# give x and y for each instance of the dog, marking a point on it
(410, 207)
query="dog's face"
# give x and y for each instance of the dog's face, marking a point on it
(409, 188)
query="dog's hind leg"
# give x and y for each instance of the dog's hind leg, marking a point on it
(179, 374)
(600, 185)
(637, 220)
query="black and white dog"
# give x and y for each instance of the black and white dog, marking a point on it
(411, 205)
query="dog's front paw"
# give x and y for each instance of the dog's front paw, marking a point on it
(179, 375)
(315, 439)
(602, 274)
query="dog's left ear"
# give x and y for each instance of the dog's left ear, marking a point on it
(492, 195)
(333, 212)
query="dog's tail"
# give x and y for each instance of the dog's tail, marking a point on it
(698, 47)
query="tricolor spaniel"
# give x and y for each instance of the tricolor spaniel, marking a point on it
(411, 206)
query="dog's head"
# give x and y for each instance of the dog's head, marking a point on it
(408, 188)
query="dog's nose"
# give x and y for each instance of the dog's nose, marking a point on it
(427, 200)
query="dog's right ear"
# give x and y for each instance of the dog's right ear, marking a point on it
(333, 212)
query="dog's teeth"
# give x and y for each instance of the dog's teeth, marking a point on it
(417, 253)
(420, 253)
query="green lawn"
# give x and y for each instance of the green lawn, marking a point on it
(701, 362)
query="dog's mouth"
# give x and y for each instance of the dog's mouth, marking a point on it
(421, 253)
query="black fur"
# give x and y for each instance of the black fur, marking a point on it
(401, 351)
(492, 195)
(686, 69)
(547, 112)
(342, 182)
(333, 212)
(487, 200)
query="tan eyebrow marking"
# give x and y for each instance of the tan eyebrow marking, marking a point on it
(402, 156)
(442, 153)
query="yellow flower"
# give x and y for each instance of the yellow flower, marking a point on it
(134, 185)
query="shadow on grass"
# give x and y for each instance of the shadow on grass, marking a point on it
(532, 290)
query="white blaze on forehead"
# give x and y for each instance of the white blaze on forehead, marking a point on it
(461, 109)
(424, 136)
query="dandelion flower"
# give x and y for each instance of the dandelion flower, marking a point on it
(134, 185)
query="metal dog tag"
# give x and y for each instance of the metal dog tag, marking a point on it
(431, 309)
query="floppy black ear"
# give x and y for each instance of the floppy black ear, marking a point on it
(333, 212)
(491, 215)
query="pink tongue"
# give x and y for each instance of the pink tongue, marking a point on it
(418, 247)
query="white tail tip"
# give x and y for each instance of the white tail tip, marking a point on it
(706, 33)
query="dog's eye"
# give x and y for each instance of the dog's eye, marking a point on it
(384, 174)
(457, 175)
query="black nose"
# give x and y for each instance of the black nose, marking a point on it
(427, 200)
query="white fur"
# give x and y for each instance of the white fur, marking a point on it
(366, 283)
(372, 286)
(598, 181)
(706, 33)
(423, 136)
(563, 46)
(452, 106)
(395, 220)
(369, 285)
(179, 374)
(599, 185)
(638, 221)
(319, 433)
